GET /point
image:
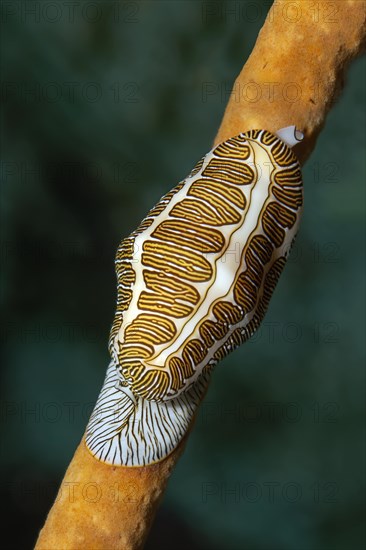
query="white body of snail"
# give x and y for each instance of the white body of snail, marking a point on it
(194, 282)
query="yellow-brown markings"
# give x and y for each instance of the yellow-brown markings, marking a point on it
(206, 334)
(272, 278)
(144, 225)
(197, 211)
(164, 285)
(288, 177)
(126, 249)
(257, 254)
(180, 372)
(282, 155)
(194, 351)
(291, 197)
(134, 350)
(216, 330)
(133, 368)
(124, 297)
(233, 148)
(223, 208)
(226, 192)
(268, 139)
(163, 304)
(252, 134)
(245, 292)
(176, 261)
(126, 275)
(173, 262)
(164, 201)
(152, 384)
(227, 313)
(229, 171)
(275, 220)
(197, 168)
(150, 329)
(239, 335)
(262, 247)
(220, 353)
(192, 236)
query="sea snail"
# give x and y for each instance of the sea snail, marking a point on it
(194, 282)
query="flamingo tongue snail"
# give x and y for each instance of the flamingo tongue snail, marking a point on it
(194, 282)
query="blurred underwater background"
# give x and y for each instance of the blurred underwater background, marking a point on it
(106, 106)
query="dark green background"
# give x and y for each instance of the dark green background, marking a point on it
(276, 459)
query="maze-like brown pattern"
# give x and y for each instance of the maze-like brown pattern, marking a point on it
(196, 277)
